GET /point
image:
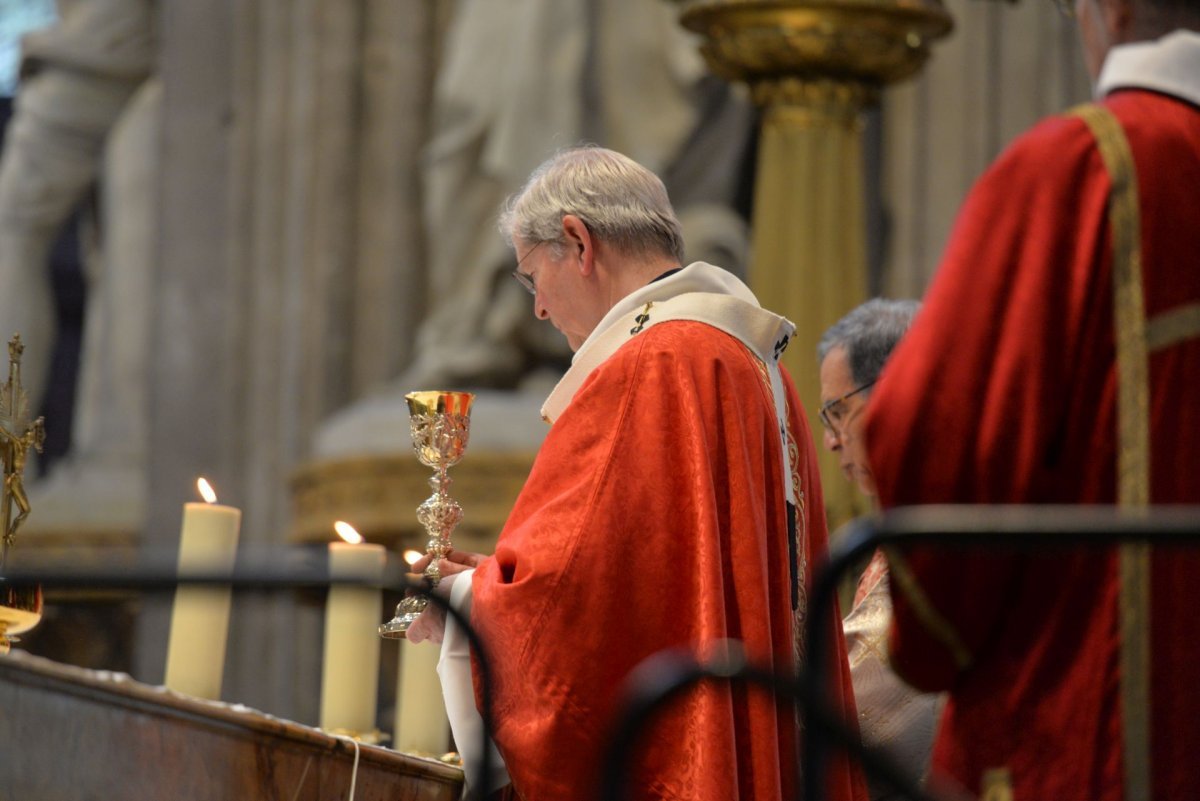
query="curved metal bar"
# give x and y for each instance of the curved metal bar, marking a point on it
(421, 586)
(163, 576)
(1021, 527)
(666, 675)
(858, 537)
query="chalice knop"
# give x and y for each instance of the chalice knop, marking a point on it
(440, 423)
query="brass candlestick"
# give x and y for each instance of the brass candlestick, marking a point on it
(440, 423)
(20, 607)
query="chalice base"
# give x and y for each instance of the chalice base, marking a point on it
(407, 612)
(20, 611)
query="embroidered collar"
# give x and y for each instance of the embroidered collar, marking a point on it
(699, 292)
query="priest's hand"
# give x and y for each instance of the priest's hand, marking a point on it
(454, 562)
(431, 623)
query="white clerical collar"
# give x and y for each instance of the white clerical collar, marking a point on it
(1170, 65)
(696, 277)
(699, 292)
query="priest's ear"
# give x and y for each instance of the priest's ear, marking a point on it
(581, 244)
(1124, 21)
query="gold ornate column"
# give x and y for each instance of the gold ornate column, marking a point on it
(813, 67)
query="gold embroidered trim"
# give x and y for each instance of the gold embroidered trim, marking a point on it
(799, 620)
(1133, 438)
(1173, 327)
(996, 785)
(930, 618)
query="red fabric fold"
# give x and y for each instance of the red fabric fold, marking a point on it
(654, 517)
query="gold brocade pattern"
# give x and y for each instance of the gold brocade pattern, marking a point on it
(891, 715)
(996, 785)
(793, 453)
(801, 532)
(1133, 431)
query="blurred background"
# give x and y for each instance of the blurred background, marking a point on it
(234, 233)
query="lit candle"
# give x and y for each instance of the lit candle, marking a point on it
(421, 723)
(350, 672)
(200, 617)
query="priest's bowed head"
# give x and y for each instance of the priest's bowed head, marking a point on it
(618, 234)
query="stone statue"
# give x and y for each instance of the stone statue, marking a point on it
(86, 89)
(518, 81)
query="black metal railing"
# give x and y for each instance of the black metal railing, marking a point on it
(665, 676)
(270, 571)
(1011, 528)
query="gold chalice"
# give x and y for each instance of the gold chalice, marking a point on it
(440, 423)
(20, 610)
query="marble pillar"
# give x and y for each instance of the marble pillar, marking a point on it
(288, 248)
(813, 66)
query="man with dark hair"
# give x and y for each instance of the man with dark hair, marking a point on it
(851, 355)
(891, 715)
(1056, 361)
(675, 504)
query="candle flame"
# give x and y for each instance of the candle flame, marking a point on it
(347, 532)
(411, 556)
(206, 490)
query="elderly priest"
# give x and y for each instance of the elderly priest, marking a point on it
(674, 504)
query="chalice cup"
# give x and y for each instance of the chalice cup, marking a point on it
(440, 423)
(20, 610)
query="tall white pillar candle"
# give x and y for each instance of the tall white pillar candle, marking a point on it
(421, 723)
(208, 542)
(350, 671)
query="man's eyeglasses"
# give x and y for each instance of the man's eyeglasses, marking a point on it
(525, 279)
(833, 412)
(1065, 7)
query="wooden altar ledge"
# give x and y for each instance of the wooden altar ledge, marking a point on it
(70, 734)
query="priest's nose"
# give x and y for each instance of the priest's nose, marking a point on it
(539, 309)
(832, 441)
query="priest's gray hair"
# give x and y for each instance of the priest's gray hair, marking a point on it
(869, 333)
(620, 201)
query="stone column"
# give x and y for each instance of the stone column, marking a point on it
(814, 67)
(289, 236)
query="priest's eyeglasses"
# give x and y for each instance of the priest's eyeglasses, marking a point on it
(833, 412)
(525, 279)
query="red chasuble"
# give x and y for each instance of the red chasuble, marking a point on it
(1005, 392)
(654, 517)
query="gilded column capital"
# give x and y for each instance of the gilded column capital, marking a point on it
(823, 101)
(869, 42)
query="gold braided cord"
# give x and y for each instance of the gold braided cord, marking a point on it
(931, 619)
(1171, 328)
(1133, 439)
